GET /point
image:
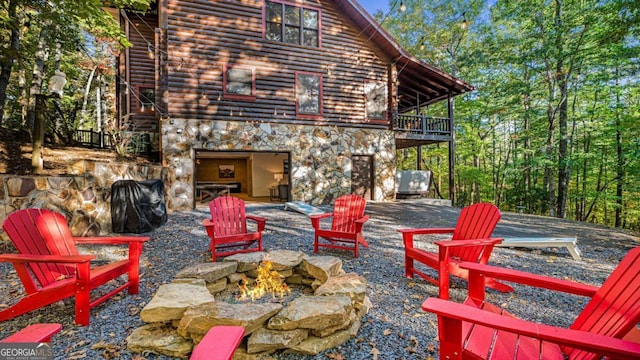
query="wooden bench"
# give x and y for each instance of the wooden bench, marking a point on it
(570, 243)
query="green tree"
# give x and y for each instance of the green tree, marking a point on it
(62, 20)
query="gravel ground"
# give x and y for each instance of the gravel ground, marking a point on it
(395, 328)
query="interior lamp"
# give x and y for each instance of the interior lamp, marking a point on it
(278, 177)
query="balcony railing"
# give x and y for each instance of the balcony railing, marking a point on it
(135, 143)
(421, 125)
(94, 139)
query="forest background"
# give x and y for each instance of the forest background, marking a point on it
(551, 129)
(553, 125)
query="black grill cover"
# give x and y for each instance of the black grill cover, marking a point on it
(137, 206)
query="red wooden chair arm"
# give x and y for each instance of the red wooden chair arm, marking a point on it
(220, 343)
(477, 271)
(109, 240)
(260, 221)
(65, 259)
(454, 313)
(34, 333)
(427, 231)
(360, 223)
(463, 243)
(208, 226)
(407, 234)
(315, 219)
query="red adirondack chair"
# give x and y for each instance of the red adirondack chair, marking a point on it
(228, 230)
(470, 241)
(346, 227)
(48, 253)
(605, 327)
(220, 343)
(34, 333)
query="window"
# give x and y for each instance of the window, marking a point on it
(239, 82)
(292, 24)
(308, 94)
(146, 98)
(375, 94)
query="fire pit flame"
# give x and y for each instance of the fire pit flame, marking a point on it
(268, 281)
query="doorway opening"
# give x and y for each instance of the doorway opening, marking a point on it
(254, 176)
(362, 176)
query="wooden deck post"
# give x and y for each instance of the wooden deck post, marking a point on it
(452, 147)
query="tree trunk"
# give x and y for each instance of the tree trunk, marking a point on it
(561, 81)
(36, 119)
(527, 143)
(549, 178)
(37, 161)
(85, 98)
(620, 155)
(7, 61)
(39, 67)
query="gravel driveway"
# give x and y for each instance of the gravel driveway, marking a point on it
(395, 328)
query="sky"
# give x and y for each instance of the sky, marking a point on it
(374, 5)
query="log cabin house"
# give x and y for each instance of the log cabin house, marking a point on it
(312, 95)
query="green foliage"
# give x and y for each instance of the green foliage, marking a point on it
(517, 54)
(75, 37)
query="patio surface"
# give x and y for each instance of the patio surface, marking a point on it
(395, 328)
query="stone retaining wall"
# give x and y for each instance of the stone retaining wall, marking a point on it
(83, 196)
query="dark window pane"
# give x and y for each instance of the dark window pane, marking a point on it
(147, 99)
(274, 32)
(310, 18)
(239, 82)
(292, 35)
(376, 95)
(292, 15)
(310, 38)
(292, 24)
(274, 12)
(308, 94)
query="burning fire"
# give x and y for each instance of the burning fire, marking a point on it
(268, 281)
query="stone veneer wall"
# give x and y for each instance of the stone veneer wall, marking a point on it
(320, 155)
(83, 196)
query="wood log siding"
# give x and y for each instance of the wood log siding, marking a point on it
(142, 73)
(208, 34)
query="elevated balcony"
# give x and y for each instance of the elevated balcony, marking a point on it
(415, 130)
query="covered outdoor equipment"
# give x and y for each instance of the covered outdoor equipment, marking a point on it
(137, 206)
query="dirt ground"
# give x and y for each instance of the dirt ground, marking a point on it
(15, 155)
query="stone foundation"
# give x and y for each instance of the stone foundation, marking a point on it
(327, 312)
(320, 155)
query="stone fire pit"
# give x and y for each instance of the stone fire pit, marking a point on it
(324, 309)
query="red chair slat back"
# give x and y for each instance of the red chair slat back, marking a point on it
(228, 215)
(42, 232)
(476, 221)
(615, 308)
(346, 210)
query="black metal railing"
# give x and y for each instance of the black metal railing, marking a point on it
(422, 124)
(138, 143)
(94, 139)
